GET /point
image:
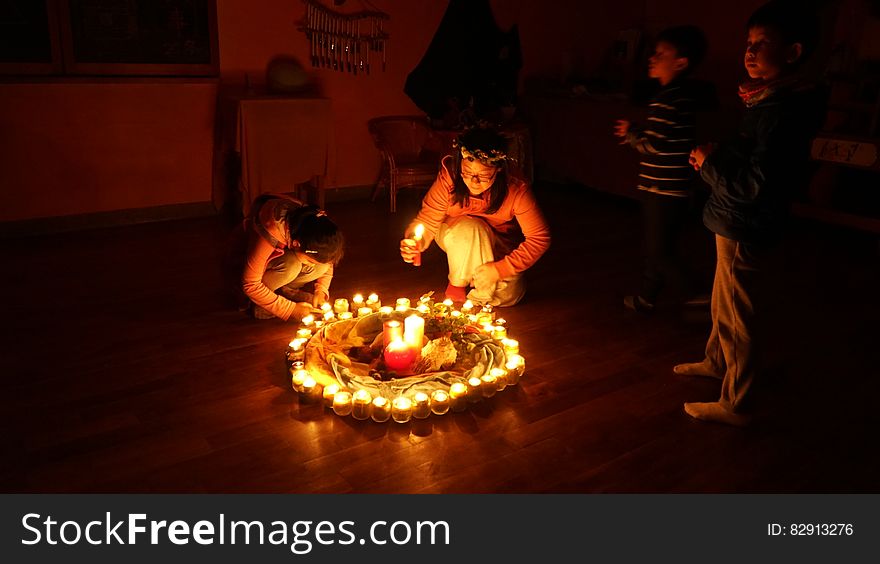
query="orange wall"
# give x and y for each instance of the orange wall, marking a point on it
(73, 148)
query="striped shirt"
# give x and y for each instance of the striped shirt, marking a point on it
(665, 141)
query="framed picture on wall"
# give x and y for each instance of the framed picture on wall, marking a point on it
(109, 37)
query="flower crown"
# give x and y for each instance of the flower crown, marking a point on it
(493, 157)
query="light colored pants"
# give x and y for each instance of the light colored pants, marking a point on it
(469, 243)
(287, 270)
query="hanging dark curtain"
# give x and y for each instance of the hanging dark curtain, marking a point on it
(470, 66)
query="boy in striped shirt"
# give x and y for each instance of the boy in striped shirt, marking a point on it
(664, 143)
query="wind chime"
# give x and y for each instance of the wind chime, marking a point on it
(344, 42)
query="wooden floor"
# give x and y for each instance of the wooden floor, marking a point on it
(125, 371)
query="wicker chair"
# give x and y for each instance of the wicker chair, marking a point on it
(405, 143)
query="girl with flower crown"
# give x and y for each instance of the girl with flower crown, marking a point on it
(485, 219)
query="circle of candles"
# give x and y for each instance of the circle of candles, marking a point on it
(381, 409)
(402, 304)
(473, 389)
(458, 396)
(345, 315)
(303, 333)
(511, 346)
(357, 301)
(392, 330)
(329, 392)
(489, 385)
(298, 377)
(342, 403)
(401, 409)
(364, 311)
(361, 403)
(516, 365)
(308, 320)
(421, 405)
(439, 402)
(499, 332)
(311, 390)
(500, 375)
(340, 305)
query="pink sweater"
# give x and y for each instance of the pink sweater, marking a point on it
(520, 204)
(273, 217)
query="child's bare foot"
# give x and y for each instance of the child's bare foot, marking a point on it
(715, 412)
(702, 369)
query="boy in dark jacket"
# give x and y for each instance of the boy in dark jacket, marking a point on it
(753, 180)
(664, 142)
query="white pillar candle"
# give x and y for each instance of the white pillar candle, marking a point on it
(414, 331)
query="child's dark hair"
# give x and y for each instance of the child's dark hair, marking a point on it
(483, 141)
(794, 20)
(689, 43)
(318, 235)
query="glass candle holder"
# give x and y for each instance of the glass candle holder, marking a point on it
(340, 305)
(439, 402)
(515, 366)
(500, 375)
(458, 397)
(311, 390)
(381, 410)
(308, 320)
(357, 301)
(499, 332)
(489, 385)
(361, 402)
(386, 310)
(402, 304)
(467, 307)
(304, 333)
(511, 346)
(342, 403)
(345, 315)
(329, 392)
(401, 409)
(474, 394)
(421, 405)
(364, 311)
(373, 302)
(298, 377)
(392, 330)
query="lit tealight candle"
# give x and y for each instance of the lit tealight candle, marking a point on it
(455, 314)
(357, 301)
(386, 310)
(296, 349)
(325, 307)
(329, 392)
(458, 397)
(489, 385)
(319, 323)
(303, 333)
(298, 376)
(311, 390)
(373, 302)
(345, 315)
(308, 320)
(448, 303)
(329, 316)
(392, 330)
(499, 332)
(421, 405)
(364, 311)
(401, 409)
(423, 309)
(381, 409)
(340, 305)
(360, 405)
(473, 389)
(439, 402)
(467, 307)
(500, 375)
(472, 318)
(511, 346)
(402, 304)
(342, 403)
(516, 365)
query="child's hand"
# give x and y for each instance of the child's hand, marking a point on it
(699, 154)
(300, 310)
(621, 128)
(320, 298)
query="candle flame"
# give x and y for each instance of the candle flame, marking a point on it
(419, 232)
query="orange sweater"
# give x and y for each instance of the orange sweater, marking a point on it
(519, 205)
(273, 217)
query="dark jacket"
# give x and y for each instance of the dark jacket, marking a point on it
(754, 178)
